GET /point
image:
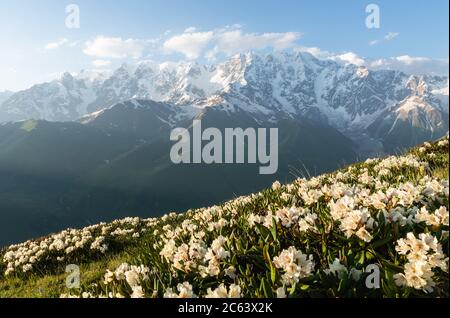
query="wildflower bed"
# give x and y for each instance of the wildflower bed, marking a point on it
(312, 238)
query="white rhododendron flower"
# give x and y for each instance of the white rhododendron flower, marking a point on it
(234, 291)
(281, 292)
(137, 292)
(295, 265)
(336, 268)
(276, 185)
(423, 254)
(185, 290)
(439, 217)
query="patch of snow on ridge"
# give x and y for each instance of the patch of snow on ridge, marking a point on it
(86, 119)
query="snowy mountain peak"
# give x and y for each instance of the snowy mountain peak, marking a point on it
(278, 85)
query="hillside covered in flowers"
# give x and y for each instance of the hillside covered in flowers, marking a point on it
(325, 236)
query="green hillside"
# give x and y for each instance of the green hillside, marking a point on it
(55, 175)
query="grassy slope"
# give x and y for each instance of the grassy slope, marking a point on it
(52, 283)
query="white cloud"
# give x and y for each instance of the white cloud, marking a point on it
(190, 30)
(108, 47)
(228, 41)
(350, 58)
(408, 60)
(233, 42)
(63, 42)
(57, 44)
(73, 44)
(315, 51)
(391, 35)
(412, 65)
(405, 63)
(388, 37)
(101, 63)
(189, 44)
(343, 58)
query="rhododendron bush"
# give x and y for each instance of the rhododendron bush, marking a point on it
(315, 237)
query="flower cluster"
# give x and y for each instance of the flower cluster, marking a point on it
(234, 291)
(70, 244)
(184, 291)
(439, 217)
(294, 264)
(132, 275)
(424, 254)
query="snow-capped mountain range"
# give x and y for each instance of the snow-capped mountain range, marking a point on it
(354, 100)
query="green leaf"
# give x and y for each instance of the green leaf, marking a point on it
(273, 230)
(263, 231)
(268, 293)
(361, 258)
(273, 274)
(304, 287)
(292, 290)
(382, 242)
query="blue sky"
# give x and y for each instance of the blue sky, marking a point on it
(37, 45)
